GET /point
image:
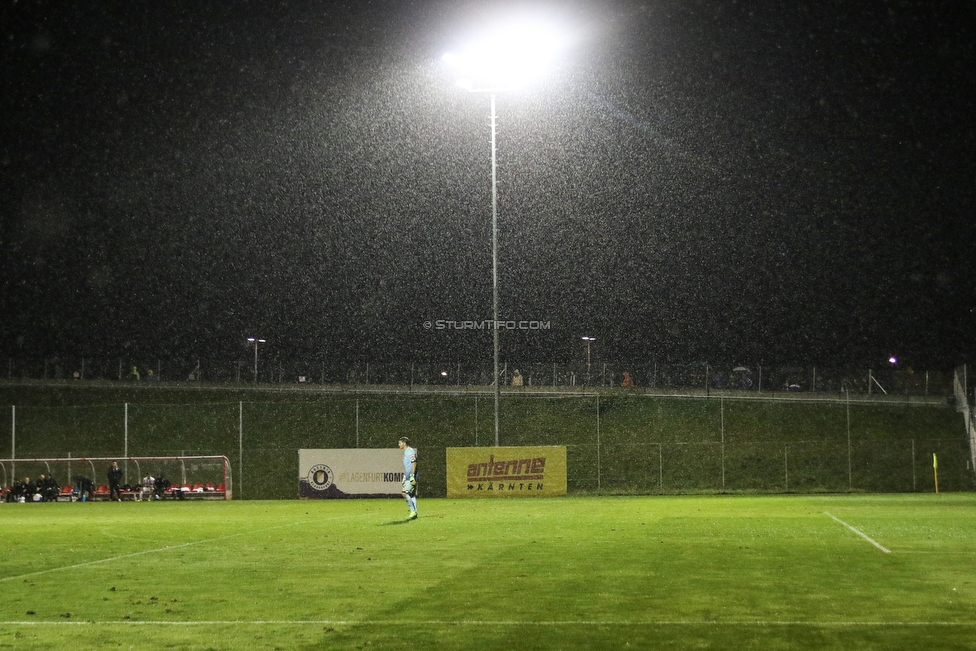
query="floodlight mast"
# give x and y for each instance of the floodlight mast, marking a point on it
(505, 61)
(492, 90)
(256, 341)
(494, 265)
(493, 119)
(588, 341)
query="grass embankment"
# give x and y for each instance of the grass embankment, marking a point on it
(616, 442)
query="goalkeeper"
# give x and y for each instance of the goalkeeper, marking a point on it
(409, 476)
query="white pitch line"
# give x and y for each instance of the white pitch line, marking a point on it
(860, 533)
(476, 623)
(166, 548)
(943, 553)
(142, 553)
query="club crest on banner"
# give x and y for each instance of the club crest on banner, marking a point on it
(320, 477)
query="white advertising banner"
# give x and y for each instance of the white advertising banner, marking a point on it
(350, 473)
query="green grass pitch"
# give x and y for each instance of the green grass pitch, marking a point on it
(785, 572)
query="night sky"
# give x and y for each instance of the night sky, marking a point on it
(784, 183)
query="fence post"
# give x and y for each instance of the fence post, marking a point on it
(786, 465)
(598, 441)
(914, 488)
(660, 466)
(125, 444)
(13, 443)
(721, 403)
(240, 447)
(850, 477)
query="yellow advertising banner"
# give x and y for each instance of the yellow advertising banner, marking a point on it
(506, 472)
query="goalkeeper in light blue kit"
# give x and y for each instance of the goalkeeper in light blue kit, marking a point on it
(409, 476)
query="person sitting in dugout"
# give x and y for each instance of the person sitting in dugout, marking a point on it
(29, 489)
(84, 487)
(160, 487)
(48, 487)
(163, 485)
(17, 491)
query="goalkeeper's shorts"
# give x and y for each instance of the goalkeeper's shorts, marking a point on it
(410, 488)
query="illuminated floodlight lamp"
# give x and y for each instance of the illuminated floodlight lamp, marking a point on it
(507, 56)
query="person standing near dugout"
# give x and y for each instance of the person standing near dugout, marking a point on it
(409, 476)
(115, 482)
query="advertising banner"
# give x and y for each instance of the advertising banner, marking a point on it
(350, 473)
(506, 472)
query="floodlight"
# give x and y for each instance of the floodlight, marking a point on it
(506, 56)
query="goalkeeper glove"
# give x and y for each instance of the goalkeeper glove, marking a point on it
(413, 482)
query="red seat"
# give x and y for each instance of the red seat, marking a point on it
(102, 489)
(197, 488)
(67, 490)
(220, 487)
(210, 487)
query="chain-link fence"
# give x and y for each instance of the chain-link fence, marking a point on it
(620, 443)
(890, 379)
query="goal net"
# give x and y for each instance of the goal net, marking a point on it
(961, 393)
(86, 478)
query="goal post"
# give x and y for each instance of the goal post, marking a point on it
(195, 476)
